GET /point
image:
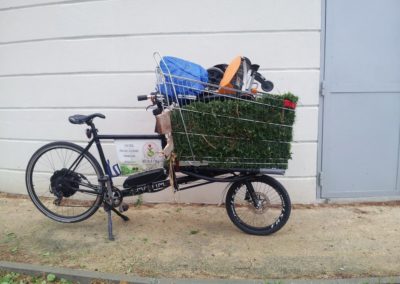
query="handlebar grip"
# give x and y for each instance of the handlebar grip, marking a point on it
(142, 97)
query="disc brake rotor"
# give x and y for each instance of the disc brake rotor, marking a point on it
(263, 203)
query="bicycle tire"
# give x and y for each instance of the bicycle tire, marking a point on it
(281, 207)
(37, 167)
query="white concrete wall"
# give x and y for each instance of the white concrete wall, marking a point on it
(59, 58)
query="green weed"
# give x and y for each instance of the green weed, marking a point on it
(138, 202)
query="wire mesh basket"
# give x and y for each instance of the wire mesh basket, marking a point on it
(229, 128)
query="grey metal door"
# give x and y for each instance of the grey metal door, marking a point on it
(361, 99)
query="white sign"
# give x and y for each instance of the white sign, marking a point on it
(139, 155)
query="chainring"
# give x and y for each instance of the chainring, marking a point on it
(116, 198)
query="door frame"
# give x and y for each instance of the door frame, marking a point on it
(323, 91)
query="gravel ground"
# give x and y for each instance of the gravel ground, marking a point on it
(195, 241)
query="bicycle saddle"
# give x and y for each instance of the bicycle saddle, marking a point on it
(81, 119)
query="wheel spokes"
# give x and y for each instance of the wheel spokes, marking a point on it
(269, 210)
(77, 199)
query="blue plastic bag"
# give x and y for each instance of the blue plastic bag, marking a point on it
(185, 89)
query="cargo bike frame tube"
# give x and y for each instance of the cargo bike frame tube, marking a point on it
(96, 140)
(191, 175)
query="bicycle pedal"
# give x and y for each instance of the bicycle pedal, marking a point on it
(123, 207)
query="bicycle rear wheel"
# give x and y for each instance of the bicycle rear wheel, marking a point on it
(61, 191)
(272, 210)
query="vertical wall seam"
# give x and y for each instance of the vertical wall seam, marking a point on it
(319, 194)
(398, 165)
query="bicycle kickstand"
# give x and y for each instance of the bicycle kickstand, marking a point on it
(123, 217)
(110, 226)
(108, 206)
(108, 209)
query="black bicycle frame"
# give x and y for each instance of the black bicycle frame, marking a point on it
(96, 139)
(209, 175)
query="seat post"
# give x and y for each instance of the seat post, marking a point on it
(99, 148)
(93, 129)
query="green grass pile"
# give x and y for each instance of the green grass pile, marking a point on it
(234, 133)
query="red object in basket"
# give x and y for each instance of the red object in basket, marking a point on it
(289, 104)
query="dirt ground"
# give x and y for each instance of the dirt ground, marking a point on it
(193, 241)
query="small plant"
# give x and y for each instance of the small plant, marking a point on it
(9, 278)
(51, 277)
(138, 202)
(47, 253)
(194, 232)
(14, 250)
(9, 237)
(16, 278)
(179, 209)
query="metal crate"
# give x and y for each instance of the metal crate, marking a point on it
(229, 128)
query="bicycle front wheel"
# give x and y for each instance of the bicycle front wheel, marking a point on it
(267, 213)
(63, 184)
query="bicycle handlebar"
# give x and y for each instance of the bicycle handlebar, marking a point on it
(142, 97)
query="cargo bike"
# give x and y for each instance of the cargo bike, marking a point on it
(209, 134)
